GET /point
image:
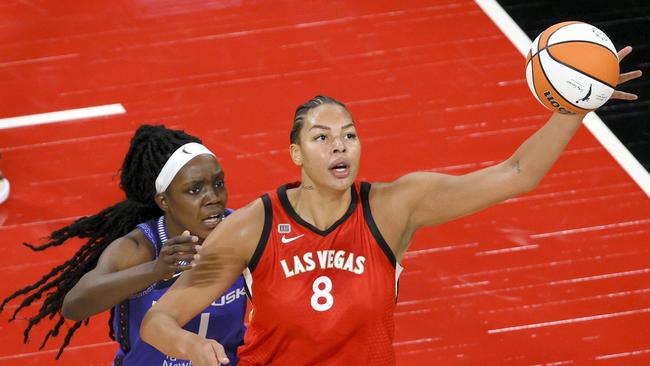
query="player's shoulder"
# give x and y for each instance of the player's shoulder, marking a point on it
(246, 221)
(402, 192)
(378, 190)
(239, 233)
(252, 211)
(407, 183)
(127, 251)
(135, 240)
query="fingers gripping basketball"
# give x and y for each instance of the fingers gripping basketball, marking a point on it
(572, 67)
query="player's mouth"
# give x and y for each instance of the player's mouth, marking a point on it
(340, 168)
(213, 220)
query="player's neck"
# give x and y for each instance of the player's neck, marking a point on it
(171, 227)
(319, 207)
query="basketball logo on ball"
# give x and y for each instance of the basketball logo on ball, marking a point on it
(572, 67)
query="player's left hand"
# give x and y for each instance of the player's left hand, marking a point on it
(625, 77)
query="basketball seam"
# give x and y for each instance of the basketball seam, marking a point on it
(572, 41)
(576, 70)
(586, 41)
(532, 78)
(541, 65)
(552, 33)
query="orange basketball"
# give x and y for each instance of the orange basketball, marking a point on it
(572, 67)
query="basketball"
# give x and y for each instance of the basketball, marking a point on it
(572, 67)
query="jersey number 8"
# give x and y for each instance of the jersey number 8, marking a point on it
(324, 293)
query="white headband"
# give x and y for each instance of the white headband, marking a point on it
(179, 158)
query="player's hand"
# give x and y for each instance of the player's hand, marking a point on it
(208, 352)
(177, 254)
(625, 77)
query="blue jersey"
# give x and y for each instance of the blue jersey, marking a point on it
(223, 320)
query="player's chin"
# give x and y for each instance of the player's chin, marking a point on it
(341, 183)
(203, 231)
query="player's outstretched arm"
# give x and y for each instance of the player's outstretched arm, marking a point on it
(123, 269)
(427, 199)
(222, 258)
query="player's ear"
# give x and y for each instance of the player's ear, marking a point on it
(161, 201)
(296, 154)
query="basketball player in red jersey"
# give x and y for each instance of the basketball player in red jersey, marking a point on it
(321, 257)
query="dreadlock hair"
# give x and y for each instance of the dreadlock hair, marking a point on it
(301, 113)
(151, 146)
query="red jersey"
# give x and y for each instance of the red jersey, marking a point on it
(320, 297)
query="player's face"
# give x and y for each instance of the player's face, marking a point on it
(329, 147)
(196, 198)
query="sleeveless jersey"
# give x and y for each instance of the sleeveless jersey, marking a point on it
(223, 320)
(320, 297)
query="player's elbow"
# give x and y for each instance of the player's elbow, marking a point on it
(153, 326)
(72, 308)
(146, 326)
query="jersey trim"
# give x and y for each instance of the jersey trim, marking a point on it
(154, 231)
(248, 283)
(284, 200)
(264, 238)
(122, 310)
(367, 214)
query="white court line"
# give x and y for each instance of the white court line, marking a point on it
(61, 116)
(623, 354)
(593, 123)
(569, 321)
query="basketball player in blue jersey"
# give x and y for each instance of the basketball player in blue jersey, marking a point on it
(136, 249)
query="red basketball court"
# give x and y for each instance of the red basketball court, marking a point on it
(556, 277)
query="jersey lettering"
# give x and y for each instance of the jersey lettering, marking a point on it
(230, 297)
(326, 259)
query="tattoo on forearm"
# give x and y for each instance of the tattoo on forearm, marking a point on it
(518, 168)
(309, 188)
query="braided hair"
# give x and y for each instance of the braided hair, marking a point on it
(301, 113)
(151, 146)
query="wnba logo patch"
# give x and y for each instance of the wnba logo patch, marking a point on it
(284, 228)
